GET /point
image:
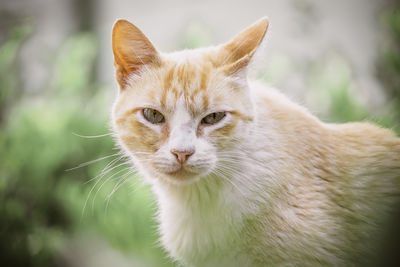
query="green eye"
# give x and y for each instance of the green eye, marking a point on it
(213, 118)
(153, 115)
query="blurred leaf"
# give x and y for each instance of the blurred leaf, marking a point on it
(331, 81)
(40, 202)
(74, 66)
(9, 74)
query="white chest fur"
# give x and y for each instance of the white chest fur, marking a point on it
(201, 223)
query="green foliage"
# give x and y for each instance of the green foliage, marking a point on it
(41, 203)
(8, 67)
(73, 73)
(330, 80)
(388, 68)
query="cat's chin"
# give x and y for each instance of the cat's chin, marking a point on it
(180, 177)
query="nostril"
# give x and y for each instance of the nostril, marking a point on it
(182, 155)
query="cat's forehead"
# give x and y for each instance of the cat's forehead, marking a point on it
(193, 80)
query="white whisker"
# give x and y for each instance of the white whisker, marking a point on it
(92, 136)
(121, 182)
(109, 167)
(91, 161)
(105, 181)
(99, 177)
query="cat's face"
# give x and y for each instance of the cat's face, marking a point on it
(177, 115)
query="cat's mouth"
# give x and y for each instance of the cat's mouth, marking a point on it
(181, 172)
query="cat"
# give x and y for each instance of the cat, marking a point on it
(242, 175)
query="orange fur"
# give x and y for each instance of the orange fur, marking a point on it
(281, 188)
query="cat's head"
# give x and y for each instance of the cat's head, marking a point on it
(178, 115)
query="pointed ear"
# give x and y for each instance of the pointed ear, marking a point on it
(132, 51)
(237, 53)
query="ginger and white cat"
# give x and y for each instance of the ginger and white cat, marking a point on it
(242, 175)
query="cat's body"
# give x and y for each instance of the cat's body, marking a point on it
(267, 184)
(304, 192)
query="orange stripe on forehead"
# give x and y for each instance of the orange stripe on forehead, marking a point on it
(205, 101)
(169, 76)
(195, 79)
(190, 96)
(204, 77)
(186, 76)
(168, 81)
(188, 79)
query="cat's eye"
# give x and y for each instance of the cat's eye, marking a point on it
(213, 118)
(153, 116)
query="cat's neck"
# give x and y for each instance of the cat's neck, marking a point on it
(191, 221)
(210, 214)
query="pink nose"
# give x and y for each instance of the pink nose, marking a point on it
(182, 155)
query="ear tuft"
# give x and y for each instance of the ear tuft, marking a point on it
(132, 50)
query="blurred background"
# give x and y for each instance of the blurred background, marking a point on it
(341, 59)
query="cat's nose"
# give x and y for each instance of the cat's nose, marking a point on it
(182, 155)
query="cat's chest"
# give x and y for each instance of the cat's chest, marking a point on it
(200, 229)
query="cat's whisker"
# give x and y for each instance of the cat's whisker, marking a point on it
(232, 153)
(221, 174)
(236, 173)
(228, 174)
(230, 158)
(92, 161)
(230, 162)
(141, 153)
(237, 156)
(228, 169)
(92, 136)
(135, 185)
(110, 164)
(106, 169)
(107, 180)
(99, 178)
(121, 182)
(147, 160)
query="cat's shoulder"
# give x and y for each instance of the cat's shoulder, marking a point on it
(271, 103)
(266, 95)
(365, 133)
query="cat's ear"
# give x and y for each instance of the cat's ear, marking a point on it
(132, 51)
(237, 53)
